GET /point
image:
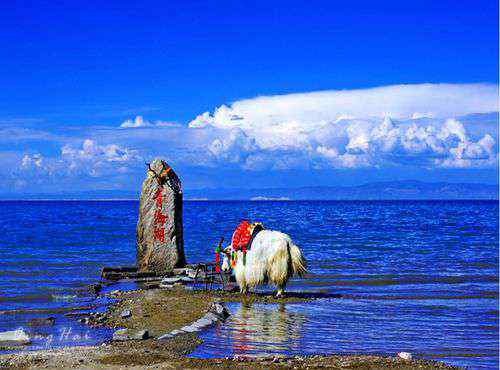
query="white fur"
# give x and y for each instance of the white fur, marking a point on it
(273, 258)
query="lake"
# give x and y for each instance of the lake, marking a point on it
(416, 276)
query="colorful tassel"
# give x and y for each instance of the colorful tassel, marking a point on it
(217, 259)
(233, 259)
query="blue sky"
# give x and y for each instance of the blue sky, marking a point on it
(72, 74)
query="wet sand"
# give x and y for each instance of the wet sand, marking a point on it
(160, 311)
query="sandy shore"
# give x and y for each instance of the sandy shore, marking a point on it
(161, 311)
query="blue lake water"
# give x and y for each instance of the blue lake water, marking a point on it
(399, 275)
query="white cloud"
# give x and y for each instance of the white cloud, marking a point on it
(314, 108)
(139, 122)
(136, 122)
(92, 152)
(29, 161)
(393, 125)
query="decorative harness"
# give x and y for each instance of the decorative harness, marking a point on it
(242, 240)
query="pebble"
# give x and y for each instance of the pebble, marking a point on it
(125, 314)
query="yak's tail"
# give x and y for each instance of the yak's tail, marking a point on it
(298, 261)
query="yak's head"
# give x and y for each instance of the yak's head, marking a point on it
(226, 258)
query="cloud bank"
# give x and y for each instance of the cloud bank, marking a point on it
(430, 126)
(393, 125)
(399, 101)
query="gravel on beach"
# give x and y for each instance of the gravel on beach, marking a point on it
(161, 311)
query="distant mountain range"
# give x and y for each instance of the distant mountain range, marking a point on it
(379, 190)
(374, 191)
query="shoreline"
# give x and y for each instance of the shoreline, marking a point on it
(160, 311)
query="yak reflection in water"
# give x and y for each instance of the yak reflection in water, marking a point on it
(258, 329)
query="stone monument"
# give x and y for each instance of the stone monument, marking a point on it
(160, 244)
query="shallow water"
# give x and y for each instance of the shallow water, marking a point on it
(403, 276)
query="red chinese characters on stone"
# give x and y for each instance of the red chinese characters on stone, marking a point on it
(159, 218)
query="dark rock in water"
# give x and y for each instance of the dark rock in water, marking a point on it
(84, 320)
(95, 289)
(129, 334)
(42, 321)
(160, 244)
(14, 338)
(180, 271)
(220, 310)
(193, 273)
(171, 280)
(154, 285)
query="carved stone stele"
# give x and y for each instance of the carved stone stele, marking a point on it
(160, 244)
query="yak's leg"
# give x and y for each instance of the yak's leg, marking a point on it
(281, 291)
(243, 288)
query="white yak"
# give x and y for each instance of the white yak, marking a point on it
(273, 258)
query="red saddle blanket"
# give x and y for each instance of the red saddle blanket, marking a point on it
(243, 235)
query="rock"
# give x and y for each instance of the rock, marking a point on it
(160, 243)
(166, 286)
(171, 280)
(155, 285)
(165, 336)
(202, 323)
(405, 356)
(220, 310)
(94, 288)
(192, 273)
(129, 334)
(190, 328)
(211, 316)
(14, 338)
(42, 321)
(180, 271)
(125, 314)
(84, 320)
